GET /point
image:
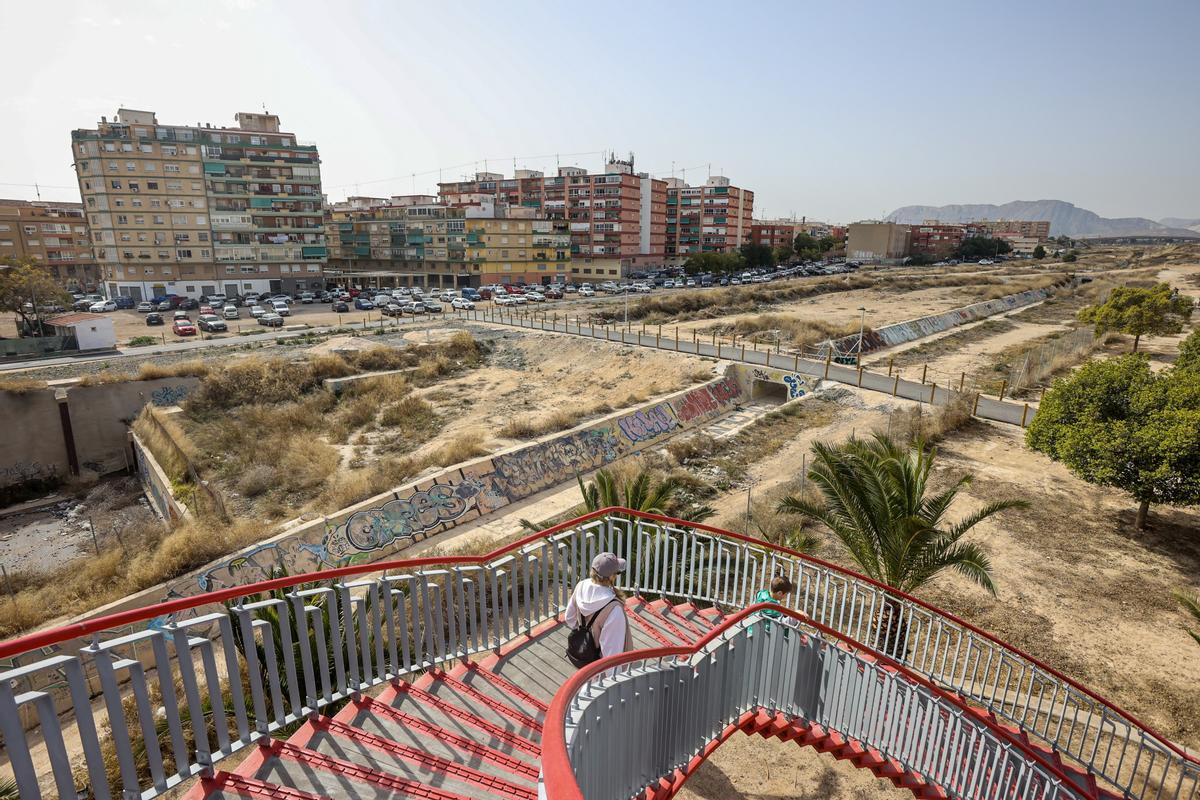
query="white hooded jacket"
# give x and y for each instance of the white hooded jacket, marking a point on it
(590, 597)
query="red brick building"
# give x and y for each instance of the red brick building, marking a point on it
(714, 218)
(936, 239)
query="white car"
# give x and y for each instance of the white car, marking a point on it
(587, 291)
(307, 297)
(535, 297)
(644, 288)
(229, 312)
(257, 311)
(448, 296)
(462, 303)
(691, 282)
(520, 299)
(281, 298)
(281, 308)
(505, 300)
(102, 306)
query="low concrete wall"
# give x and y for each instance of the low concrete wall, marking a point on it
(156, 484)
(913, 329)
(34, 445)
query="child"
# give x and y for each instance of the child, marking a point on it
(781, 587)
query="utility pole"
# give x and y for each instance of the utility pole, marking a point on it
(862, 323)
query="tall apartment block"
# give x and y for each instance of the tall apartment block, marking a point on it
(713, 218)
(415, 241)
(53, 234)
(618, 215)
(194, 210)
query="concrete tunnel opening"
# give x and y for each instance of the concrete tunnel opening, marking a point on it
(768, 392)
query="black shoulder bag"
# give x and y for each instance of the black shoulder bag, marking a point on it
(582, 648)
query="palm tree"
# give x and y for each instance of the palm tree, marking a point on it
(639, 492)
(1192, 606)
(873, 499)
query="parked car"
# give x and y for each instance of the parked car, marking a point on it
(145, 307)
(553, 293)
(207, 309)
(448, 296)
(154, 318)
(271, 320)
(381, 300)
(211, 323)
(183, 327)
(229, 312)
(505, 300)
(102, 306)
(363, 304)
(282, 298)
(163, 305)
(391, 310)
(415, 307)
(281, 308)
(462, 304)
(124, 302)
(432, 307)
(570, 288)
(307, 297)
(213, 299)
(257, 311)
(472, 295)
(179, 314)
(587, 291)
(87, 301)
(535, 297)
(340, 307)
(187, 303)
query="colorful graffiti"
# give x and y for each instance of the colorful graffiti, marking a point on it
(404, 517)
(648, 423)
(169, 395)
(797, 385)
(540, 466)
(707, 400)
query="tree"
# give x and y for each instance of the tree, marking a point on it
(1157, 311)
(1039, 252)
(718, 263)
(873, 499)
(1192, 606)
(976, 247)
(639, 492)
(1189, 352)
(757, 255)
(826, 243)
(1117, 423)
(26, 288)
(1070, 257)
(784, 254)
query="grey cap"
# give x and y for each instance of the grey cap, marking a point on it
(607, 564)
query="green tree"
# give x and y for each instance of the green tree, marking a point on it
(807, 247)
(1039, 252)
(977, 247)
(1070, 257)
(826, 243)
(1189, 352)
(757, 255)
(717, 263)
(639, 492)
(27, 287)
(784, 253)
(873, 500)
(1157, 311)
(1117, 423)
(1192, 606)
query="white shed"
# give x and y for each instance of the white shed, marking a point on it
(91, 331)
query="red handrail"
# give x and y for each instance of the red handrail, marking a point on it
(85, 628)
(556, 766)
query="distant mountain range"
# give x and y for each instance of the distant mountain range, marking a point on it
(1065, 218)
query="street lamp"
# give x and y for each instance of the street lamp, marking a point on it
(862, 323)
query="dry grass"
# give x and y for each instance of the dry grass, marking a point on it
(789, 329)
(166, 440)
(533, 427)
(348, 487)
(463, 448)
(148, 372)
(21, 385)
(930, 424)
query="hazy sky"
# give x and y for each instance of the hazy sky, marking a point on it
(834, 110)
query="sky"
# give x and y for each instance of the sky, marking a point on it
(836, 111)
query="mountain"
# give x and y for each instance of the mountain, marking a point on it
(1178, 222)
(1065, 218)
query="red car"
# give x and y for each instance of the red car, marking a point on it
(207, 310)
(513, 289)
(183, 327)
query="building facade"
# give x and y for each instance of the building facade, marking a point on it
(618, 214)
(52, 234)
(1032, 229)
(877, 241)
(935, 239)
(714, 218)
(195, 210)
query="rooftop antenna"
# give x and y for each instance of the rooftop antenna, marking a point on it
(38, 189)
(672, 169)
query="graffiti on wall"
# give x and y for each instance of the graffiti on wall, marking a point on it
(797, 385)
(707, 400)
(648, 423)
(23, 471)
(540, 466)
(169, 395)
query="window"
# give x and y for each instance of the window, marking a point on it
(146, 148)
(194, 169)
(122, 219)
(119, 203)
(136, 203)
(115, 184)
(112, 166)
(158, 219)
(151, 166)
(152, 185)
(109, 147)
(134, 186)
(169, 150)
(202, 236)
(183, 253)
(126, 147)
(156, 203)
(125, 237)
(83, 165)
(231, 270)
(139, 220)
(170, 168)
(248, 270)
(130, 166)
(314, 267)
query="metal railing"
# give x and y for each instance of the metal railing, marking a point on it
(655, 712)
(292, 646)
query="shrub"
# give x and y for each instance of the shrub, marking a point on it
(692, 448)
(354, 486)
(464, 448)
(142, 341)
(21, 385)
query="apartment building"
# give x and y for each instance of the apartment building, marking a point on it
(1024, 228)
(935, 239)
(409, 241)
(196, 210)
(714, 218)
(53, 234)
(878, 241)
(617, 214)
(775, 233)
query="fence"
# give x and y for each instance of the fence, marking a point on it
(319, 643)
(36, 346)
(652, 712)
(204, 496)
